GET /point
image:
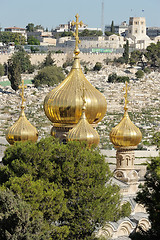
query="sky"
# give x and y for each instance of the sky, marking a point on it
(51, 13)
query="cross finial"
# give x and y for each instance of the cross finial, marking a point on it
(126, 88)
(22, 94)
(77, 23)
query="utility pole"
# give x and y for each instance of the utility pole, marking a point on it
(102, 18)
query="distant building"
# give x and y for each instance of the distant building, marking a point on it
(67, 27)
(17, 30)
(90, 42)
(45, 38)
(119, 29)
(153, 32)
(137, 33)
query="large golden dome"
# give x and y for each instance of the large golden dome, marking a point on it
(125, 134)
(22, 129)
(63, 105)
(83, 131)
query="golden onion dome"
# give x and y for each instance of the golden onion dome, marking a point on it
(83, 131)
(22, 129)
(63, 105)
(125, 134)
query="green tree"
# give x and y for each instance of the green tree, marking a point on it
(69, 184)
(48, 61)
(30, 27)
(66, 34)
(108, 33)
(153, 55)
(17, 38)
(149, 196)
(126, 52)
(156, 139)
(33, 41)
(50, 76)
(34, 49)
(97, 66)
(39, 27)
(139, 74)
(23, 58)
(14, 73)
(1, 70)
(137, 57)
(16, 221)
(112, 27)
(17, 64)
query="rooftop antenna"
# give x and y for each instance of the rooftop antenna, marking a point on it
(102, 18)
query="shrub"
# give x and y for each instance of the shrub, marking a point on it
(147, 70)
(97, 66)
(139, 74)
(67, 63)
(114, 78)
(120, 60)
(49, 76)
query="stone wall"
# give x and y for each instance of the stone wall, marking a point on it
(60, 58)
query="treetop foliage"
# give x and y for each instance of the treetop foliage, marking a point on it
(32, 28)
(153, 55)
(17, 38)
(89, 33)
(16, 221)
(33, 41)
(68, 185)
(48, 61)
(149, 196)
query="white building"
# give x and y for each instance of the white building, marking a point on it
(137, 32)
(17, 30)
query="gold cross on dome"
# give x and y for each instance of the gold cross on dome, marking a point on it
(126, 88)
(22, 94)
(77, 24)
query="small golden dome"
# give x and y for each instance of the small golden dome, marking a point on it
(22, 129)
(83, 131)
(63, 105)
(125, 134)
